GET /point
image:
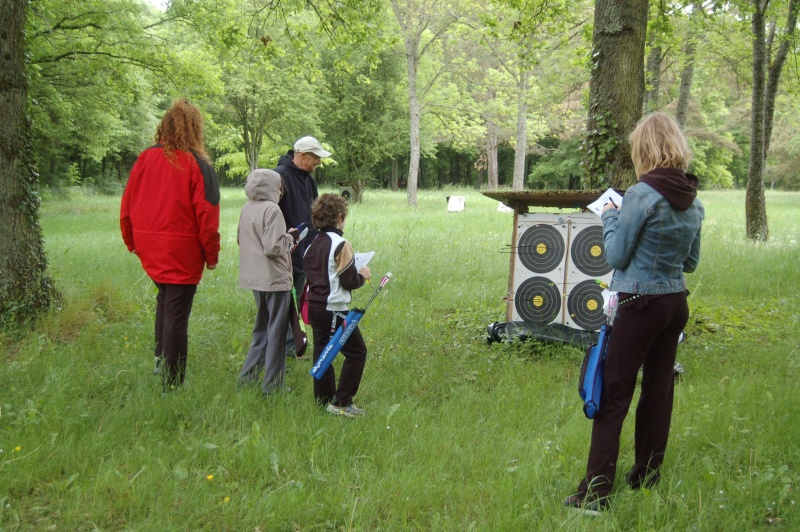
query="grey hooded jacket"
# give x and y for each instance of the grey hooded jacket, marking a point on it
(265, 262)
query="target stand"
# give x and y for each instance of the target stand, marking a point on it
(556, 260)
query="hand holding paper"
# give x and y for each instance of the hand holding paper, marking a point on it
(609, 196)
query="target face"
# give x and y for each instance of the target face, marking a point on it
(585, 305)
(541, 248)
(588, 252)
(538, 300)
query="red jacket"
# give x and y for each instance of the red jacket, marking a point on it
(170, 216)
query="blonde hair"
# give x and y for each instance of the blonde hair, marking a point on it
(658, 142)
(181, 128)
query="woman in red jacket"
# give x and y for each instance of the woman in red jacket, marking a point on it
(170, 219)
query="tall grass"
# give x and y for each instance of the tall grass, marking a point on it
(458, 434)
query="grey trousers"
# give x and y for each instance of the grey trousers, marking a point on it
(267, 350)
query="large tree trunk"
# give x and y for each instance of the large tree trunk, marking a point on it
(25, 287)
(521, 148)
(755, 205)
(616, 90)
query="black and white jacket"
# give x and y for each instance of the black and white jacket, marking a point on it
(331, 271)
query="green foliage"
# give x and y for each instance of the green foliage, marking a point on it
(366, 119)
(95, 66)
(458, 434)
(711, 162)
(266, 73)
(785, 146)
(598, 149)
(559, 167)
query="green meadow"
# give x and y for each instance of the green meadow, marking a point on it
(459, 434)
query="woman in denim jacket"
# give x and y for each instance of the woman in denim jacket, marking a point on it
(650, 242)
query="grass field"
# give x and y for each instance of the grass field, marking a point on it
(458, 435)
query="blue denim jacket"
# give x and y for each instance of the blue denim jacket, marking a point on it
(649, 244)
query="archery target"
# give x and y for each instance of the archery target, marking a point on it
(587, 251)
(538, 300)
(585, 306)
(541, 248)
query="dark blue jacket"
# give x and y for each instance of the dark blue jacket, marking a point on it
(299, 192)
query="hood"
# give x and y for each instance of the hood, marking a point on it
(677, 187)
(263, 185)
(287, 159)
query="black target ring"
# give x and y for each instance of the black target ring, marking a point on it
(541, 248)
(588, 252)
(538, 300)
(585, 305)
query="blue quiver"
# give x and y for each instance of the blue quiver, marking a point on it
(590, 384)
(336, 343)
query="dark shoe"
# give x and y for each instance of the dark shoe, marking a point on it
(636, 481)
(593, 508)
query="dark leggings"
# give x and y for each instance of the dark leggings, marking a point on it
(645, 334)
(173, 307)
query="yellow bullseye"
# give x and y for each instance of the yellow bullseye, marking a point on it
(541, 248)
(596, 251)
(538, 301)
(591, 305)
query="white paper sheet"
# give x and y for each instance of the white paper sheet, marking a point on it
(607, 197)
(362, 259)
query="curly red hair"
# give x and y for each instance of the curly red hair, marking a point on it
(181, 128)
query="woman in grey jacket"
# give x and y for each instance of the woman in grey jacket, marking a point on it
(265, 267)
(650, 241)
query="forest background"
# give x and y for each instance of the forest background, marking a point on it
(493, 80)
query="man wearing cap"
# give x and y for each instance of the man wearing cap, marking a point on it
(299, 192)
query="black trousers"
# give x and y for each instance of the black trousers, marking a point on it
(173, 307)
(645, 334)
(354, 351)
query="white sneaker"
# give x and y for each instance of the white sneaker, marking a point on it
(346, 411)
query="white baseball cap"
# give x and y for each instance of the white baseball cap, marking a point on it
(310, 144)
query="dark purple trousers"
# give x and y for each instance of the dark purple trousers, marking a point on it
(355, 355)
(645, 334)
(173, 307)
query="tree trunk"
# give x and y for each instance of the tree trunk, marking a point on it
(654, 78)
(755, 206)
(687, 74)
(682, 107)
(414, 110)
(774, 71)
(491, 156)
(25, 288)
(616, 91)
(521, 148)
(393, 185)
